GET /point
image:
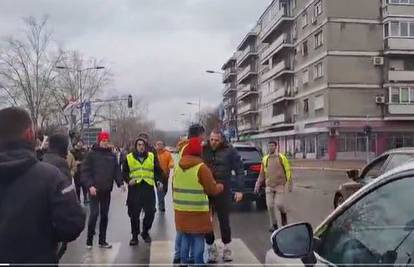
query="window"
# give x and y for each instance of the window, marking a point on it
(412, 28)
(293, 4)
(412, 95)
(305, 76)
(401, 95)
(395, 28)
(297, 108)
(318, 71)
(386, 29)
(374, 169)
(371, 228)
(398, 160)
(318, 8)
(404, 29)
(306, 106)
(401, 2)
(395, 95)
(319, 102)
(318, 39)
(404, 95)
(304, 20)
(305, 48)
(249, 154)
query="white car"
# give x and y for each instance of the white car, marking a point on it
(373, 227)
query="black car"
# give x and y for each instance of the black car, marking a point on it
(252, 159)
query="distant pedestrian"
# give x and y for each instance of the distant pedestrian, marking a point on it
(166, 163)
(79, 153)
(276, 173)
(38, 205)
(223, 159)
(142, 172)
(192, 183)
(100, 170)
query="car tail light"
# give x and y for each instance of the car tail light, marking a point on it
(255, 168)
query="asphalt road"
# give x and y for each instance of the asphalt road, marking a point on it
(311, 201)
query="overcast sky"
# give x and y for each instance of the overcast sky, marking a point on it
(157, 49)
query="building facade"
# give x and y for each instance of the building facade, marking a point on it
(335, 78)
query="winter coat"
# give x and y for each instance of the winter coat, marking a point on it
(38, 207)
(166, 162)
(197, 222)
(222, 162)
(79, 155)
(100, 169)
(59, 162)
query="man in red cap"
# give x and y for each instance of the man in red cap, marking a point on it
(98, 172)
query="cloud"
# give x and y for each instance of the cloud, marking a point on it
(158, 49)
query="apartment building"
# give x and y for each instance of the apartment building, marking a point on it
(229, 94)
(336, 78)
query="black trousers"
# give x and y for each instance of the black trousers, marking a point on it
(221, 205)
(99, 206)
(79, 187)
(141, 197)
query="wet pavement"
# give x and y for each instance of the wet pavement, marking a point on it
(312, 201)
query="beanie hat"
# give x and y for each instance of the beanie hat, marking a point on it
(194, 147)
(195, 130)
(103, 136)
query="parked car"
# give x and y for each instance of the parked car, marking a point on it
(252, 160)
(387, 161)
(373, 227)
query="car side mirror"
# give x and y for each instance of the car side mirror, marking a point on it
(294, 241)
(353, 174)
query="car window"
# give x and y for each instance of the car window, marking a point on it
(397, 160)
(249, 154)
(374, 169)
(376, 229)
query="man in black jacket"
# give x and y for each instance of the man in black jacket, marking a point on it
(141, 170)
(99, 170)
(79, 153)
(38, 206)
(223, 159)
(57, 152)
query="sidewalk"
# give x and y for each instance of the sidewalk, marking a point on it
(325, 165)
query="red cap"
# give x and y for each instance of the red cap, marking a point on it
(103, 136)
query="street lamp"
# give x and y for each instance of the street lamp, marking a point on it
(214, 72)
(199, 108)
(79, 71)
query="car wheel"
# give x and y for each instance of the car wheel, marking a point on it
(261, 203)
(338, 200)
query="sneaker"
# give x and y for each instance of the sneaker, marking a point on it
(105, 245)
(146, 237)
(134, 241)
(227, 257)
(89, 243)
(212, 254)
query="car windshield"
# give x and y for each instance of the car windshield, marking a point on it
(249, 154)
(377, 229)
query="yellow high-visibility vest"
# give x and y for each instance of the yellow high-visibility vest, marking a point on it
(284, 162)
(188, 193)
(141, 171)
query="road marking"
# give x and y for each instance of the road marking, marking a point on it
(162, 252)
(101, 255)
(273, 260)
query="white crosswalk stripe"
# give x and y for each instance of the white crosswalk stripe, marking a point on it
(162, 252)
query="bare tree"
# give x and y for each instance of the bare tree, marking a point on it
(210, 119)
(27, 69)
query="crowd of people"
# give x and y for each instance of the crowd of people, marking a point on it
(51, 178)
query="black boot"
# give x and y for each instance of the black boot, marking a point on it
(273, 228)
(134, 241)
(146, 237)
(284, 218)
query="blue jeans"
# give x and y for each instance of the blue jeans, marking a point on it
(193, 243)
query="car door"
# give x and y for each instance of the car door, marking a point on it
(377, 228)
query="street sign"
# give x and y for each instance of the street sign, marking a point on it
(86, 119)
(87, 107)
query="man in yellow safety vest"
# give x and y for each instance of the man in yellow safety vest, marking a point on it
(276, 173)
(142, 172)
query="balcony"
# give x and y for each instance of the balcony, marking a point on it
(401, 109)
(244, 127)
(229, 103)
(247, 72)
(245, 91)
(280, 17)
(246, 54)
(229, 88)
(269, 121)
(277, 70)
(276, 47)
(401, 76)
(247, 109)
(229, 74)
(279, 93)
(394, 44)
(395, 10)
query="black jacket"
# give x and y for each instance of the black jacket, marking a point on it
(222, 162)
(59, 162)
(100, 169)
(38, 207)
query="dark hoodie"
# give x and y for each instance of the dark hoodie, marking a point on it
(38, 207)
(57, 153)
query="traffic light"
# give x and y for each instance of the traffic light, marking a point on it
(129, 101)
